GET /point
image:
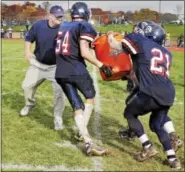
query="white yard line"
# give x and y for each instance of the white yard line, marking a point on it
(97, 105)
(97, 161)
(40, 167)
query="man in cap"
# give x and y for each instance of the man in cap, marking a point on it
(43, 63)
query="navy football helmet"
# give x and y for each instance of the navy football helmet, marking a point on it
(80, 10)
(151, 30)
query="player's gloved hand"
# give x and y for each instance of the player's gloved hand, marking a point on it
(107, 70)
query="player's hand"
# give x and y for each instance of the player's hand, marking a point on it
(28, 56)
(107, 70)
(112, 33)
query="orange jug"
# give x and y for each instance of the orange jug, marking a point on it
(119, 61)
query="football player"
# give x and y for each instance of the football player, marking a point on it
(155, 92)
(73, 43)
(168, 125)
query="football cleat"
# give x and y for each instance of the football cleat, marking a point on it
(173, 164)
(126, 134)
(94, 150)
(145, 154)
(79, 137)
(58, 123)
(176, 142)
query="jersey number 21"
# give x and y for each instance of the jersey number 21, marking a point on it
(160, 63)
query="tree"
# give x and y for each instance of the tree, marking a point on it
(28, 10)
(145, 14)
(46, 5)
(27, 3)
(4, 10)
(39, 6)
(96, 11)
(129, 15)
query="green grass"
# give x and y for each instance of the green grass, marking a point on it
(31, 140)
(174, 30)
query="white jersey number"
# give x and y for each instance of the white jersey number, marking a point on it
(158, 62)
(62, 46)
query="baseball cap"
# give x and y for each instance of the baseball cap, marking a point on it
(57, 11)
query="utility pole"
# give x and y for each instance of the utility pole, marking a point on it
(159, 10)
(68, 5)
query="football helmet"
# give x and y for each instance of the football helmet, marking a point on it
(80, 10)
(151, 30)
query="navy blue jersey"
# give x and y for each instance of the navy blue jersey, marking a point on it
(45, 39)
(152, 63)
(69, 59)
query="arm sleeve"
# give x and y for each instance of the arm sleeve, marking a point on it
(130, 44)
(87, 32)
(31, 34)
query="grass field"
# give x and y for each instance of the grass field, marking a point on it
(30, 143)
(174, 30)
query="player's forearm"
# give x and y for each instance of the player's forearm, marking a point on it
(27, 47)
(90, 57)
(87, 54)
(113, 43)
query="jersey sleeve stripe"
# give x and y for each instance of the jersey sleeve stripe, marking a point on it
(87, 38)
(131, 48)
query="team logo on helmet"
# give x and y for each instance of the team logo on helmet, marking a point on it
(148, 29)
(144, 24)
(81, 10)
(138, 30)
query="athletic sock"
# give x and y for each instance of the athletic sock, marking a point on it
(79, 120)
(87, 113)
(145, 141)
(171, 155)
(168, 127)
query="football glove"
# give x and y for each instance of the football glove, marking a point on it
(107, 70)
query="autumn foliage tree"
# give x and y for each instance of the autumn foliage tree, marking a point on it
(145, 14)
(22, 12)
(31, 11)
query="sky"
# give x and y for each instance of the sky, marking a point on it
(166, 6)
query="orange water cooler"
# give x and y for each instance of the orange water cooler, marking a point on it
(120, 61)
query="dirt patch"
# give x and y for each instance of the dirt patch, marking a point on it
(175, 49)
